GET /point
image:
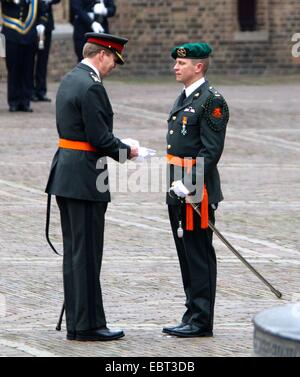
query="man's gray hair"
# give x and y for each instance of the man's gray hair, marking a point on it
(90, 50)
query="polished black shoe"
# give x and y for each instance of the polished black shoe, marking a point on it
(36, 98)
(190, 331)
(25, 109)
(13, 109)
(102, 334)
(167, 330)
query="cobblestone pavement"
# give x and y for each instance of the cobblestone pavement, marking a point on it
(141, 278)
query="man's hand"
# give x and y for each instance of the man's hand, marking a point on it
(100, 9)
(134, 152)
(179, 189)
(97, 27)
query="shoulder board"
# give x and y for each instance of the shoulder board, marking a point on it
(95, 77)
(214, 92)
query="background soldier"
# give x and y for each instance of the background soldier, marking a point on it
(196, 128)
(90, 15)
(20, 20)
(42, 56)
(85, 124)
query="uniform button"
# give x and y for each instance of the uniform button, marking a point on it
(169, 146)
(174, 118)
(171, 132)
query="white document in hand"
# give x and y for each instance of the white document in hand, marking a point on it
(131, 142)
(144, 153)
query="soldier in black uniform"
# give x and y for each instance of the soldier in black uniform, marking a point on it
(79, 177)
(20, 19)
(42, 56)
(196, 128)
(90, 15)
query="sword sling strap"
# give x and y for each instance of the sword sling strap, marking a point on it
(65, 144)
(188, 164)
(48, 225)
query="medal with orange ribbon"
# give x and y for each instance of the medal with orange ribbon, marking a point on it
(184, 124)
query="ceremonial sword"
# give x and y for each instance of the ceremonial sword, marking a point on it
(235, 252)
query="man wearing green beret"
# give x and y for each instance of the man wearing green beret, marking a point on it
(196, 129)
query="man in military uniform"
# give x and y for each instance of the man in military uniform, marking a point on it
(42, 56)
(196, 129)
(79, 177)
(21, 18)
(90, 15)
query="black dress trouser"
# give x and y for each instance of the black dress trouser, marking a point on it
(83, 229)
(19, 63)
(198, 266)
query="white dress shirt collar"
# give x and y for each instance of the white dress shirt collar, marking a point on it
(190, 89)
(86, 62)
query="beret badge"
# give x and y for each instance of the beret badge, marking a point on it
(181, 52)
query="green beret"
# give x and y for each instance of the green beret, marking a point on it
(192, 51)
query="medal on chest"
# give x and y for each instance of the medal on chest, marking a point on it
(184, 124)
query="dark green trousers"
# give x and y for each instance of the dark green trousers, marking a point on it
(198, 266)
(82, 225)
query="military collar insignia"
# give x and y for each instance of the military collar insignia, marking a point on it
(196, 95)
(189, 110)
(95, 77)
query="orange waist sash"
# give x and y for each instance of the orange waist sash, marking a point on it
(189, 163)
(76, 145)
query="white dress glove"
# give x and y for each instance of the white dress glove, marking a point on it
(179, 189)
(40, 29)
(97, 28)
(100, 9)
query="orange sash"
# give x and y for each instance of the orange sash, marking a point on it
(76, 145)
(189, 163)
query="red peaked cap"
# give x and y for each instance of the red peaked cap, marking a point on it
(112, 42)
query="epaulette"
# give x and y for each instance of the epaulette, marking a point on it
(95, 77)
(214, 92)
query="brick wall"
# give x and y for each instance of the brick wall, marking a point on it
(155, 26)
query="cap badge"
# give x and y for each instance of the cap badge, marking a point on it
(181, 52)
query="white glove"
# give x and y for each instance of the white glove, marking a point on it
(97, 28)
(100, 9)
(40, 29)
(179, 189)
(91, 15)
(131, 142)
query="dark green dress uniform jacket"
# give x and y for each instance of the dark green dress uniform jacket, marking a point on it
(83, 113)
(207, 116)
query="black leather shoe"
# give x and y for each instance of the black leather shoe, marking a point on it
(13, 109)
(25, 109)
(167, 330)
(102, 334)
(36, 98)
(190, 331)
